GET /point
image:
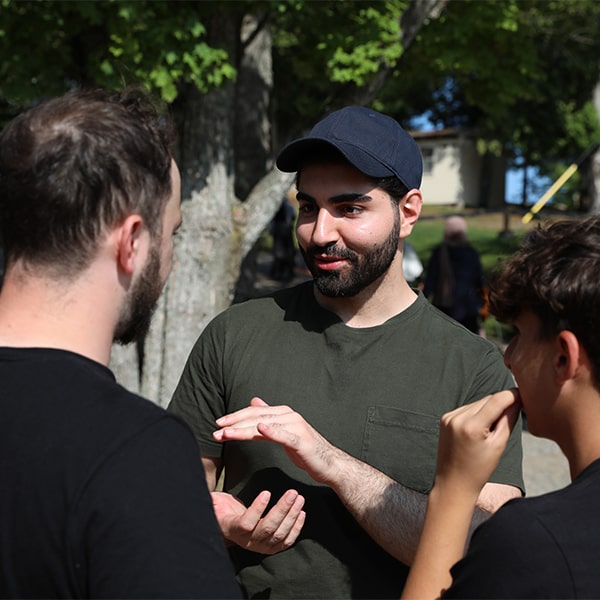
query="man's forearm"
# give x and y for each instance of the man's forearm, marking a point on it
(392, 514)
(389, 512)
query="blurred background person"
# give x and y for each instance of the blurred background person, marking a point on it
(284, 251)
(454, 277)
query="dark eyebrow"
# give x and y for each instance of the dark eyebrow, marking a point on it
(339, 199)
(305, 197)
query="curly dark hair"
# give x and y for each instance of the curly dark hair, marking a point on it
(556, 275)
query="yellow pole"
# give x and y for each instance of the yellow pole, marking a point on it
(551, 191)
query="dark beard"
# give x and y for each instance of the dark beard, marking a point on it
(136, 317)
(364, 269)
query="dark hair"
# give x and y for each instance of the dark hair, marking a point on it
(73, 166)
(555, 274)
(327, 154)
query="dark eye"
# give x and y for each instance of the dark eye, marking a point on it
(306, 208)
(352, 209)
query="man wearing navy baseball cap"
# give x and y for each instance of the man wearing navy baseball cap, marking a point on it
(326, 397)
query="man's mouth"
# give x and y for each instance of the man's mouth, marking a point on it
(328, 263)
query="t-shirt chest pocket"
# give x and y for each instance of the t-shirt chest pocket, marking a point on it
(402, 444)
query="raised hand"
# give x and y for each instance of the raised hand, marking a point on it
(473, 438)
(245, 526)
(305, 446)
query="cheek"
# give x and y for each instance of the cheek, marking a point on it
(303, 233)
(525, 367)
(511, 355)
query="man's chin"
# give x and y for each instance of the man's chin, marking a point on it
(334, 288)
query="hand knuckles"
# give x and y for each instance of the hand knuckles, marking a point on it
(276, 539)
(266, 533)
(245, 528)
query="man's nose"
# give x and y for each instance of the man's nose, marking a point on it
(325, 229)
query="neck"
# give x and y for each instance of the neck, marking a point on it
(374, 305)
(577, 432)
(580, 455)
(45, 313)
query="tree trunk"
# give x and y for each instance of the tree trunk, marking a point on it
(589, 170)
(207, 254)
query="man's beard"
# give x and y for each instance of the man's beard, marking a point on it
(364, 270)
(136, 315)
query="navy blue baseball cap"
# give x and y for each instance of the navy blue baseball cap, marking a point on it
(373, 143)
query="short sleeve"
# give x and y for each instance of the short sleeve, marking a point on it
(199, 396)
(491, 377)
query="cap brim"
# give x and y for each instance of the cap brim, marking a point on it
(292, 157)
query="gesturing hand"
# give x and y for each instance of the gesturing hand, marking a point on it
(248, 528)
(305, 446)
(473, 438)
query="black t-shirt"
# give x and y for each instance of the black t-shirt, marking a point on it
(543, 547)
(102, 493)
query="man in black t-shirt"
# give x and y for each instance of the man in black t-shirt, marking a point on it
(101, 492)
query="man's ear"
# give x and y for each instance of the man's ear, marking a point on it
(130, 242)
(569, 354)
(410, 207)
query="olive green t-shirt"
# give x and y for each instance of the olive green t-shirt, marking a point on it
(377, 393)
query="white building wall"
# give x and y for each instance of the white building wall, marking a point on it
(441, 182)
(451, 171)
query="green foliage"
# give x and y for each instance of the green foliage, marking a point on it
(322, 49)
(521, 72)
(48, 46)
(356, 57)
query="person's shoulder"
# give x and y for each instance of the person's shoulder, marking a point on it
(442, 324)
(440, 333)
(512, 555)
(124, 414)
(100, 398)
(75, 383)
(524, 517)
(268, 306)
